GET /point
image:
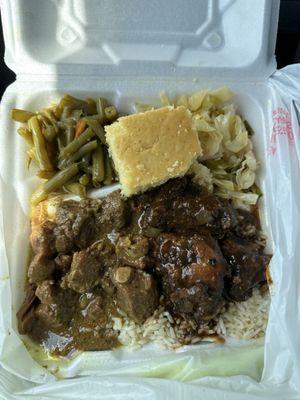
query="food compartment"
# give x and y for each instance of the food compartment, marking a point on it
(252, 102)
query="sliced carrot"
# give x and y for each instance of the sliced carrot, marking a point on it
(80, 127)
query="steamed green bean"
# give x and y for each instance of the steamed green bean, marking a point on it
(108, 171)
(76, 188)
(101, 104)
(98, 166)
(49, 133)
(85, 149)
(54, 183)
(111, 114)
(70, 134)
(39, 144)
(26, 135)
(95, 125)
(77, 143)
(21, 115)
(62, 134)
(84, 179)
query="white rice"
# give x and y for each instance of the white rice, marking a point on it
(244, 320)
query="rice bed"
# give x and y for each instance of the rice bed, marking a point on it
(243, 320)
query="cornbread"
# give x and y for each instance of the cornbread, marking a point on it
(151, 147)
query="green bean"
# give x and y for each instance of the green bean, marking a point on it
(60, 144)
(66, 112)
(92, 106)
(76, 188)
(88, 169)
(20, 115)
(31, 153)
(45, 174)
(94, 124)
(85, 149)
(39, 144)
(86, 159)
(56, 182)
(111, 114)
(101, 104)
(98, 166)
(70, 133)
(26, 135)
(84, 179)
(50, 116)
(108, 171)
(74, 103)
(49, 133)
(57, 111)
(77, 143)
(30, 156)
(28, 161)
(76, 115)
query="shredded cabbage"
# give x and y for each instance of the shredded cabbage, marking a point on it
(201, 175)
(228, 165)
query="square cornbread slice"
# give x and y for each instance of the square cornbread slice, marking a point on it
(151, 147)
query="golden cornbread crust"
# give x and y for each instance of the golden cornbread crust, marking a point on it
(151, 147)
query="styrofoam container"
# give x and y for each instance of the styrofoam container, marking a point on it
(129, 51)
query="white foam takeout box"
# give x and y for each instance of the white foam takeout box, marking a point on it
(127, 51)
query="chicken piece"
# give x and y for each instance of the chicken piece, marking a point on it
(40, 268)
(133, 251)
(195, 211)
(136, 293)
(57, 305)
(248, 267)
(248, 225)
(185, 208)
(88, 266)
(192, 271)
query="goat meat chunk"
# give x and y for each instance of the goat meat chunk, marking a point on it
(57, 306)
(25, 314)
(88, 266)
(40, 268)
(136, 293)
(133, 251)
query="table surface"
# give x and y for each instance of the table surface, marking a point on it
(287, 46)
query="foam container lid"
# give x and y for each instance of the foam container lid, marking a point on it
(147, 38)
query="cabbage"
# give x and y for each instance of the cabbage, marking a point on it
(245, 176)
(246, 198)
(228, 164)
(245, 179)
(224, 184)
(202, 125)
(222, 94)
(210, 143)
(195, 101)
(201, 175)
(182, 101)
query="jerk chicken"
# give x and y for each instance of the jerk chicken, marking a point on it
(177, 245)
